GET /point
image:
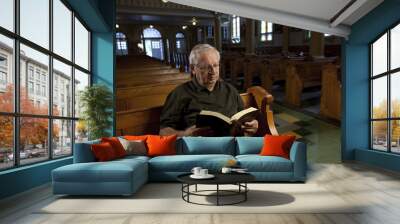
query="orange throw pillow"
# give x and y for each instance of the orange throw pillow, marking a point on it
(277, 145)
(161, 145)
(135, 137)
(103, 152)
(116, 145)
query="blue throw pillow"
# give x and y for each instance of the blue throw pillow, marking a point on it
(249, 145)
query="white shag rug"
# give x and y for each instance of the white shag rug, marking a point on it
(166, 198)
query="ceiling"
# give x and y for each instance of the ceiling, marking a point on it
(325, 16)
(158, 12)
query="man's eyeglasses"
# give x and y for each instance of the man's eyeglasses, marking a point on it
(206, 68)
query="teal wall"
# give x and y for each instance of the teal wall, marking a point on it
(355, 113)
(99, 15)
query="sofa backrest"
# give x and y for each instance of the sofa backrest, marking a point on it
(249, 145)
(206, 145)
(83, 152)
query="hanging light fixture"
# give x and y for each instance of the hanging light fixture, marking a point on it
(116, 26)
(151, 26)
(194, 21)
(184, 27)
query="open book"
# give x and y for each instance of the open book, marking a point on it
(223, 125)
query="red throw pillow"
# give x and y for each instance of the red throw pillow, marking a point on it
(116, 145)
(135, 137)
(277, 145)
(103, 151)
(161, 145)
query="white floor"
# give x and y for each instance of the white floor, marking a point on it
(377, 189)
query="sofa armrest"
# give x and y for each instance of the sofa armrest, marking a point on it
(298, 155)
(83, 152)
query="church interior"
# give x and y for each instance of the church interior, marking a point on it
(325, 72)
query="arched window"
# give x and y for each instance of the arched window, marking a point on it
(151, 33)
(180, 42)
(153, 43)
(266, 31)
(235, 29)
(122, 44)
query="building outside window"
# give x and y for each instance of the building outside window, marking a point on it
(3, 72)
(235, 29)
(55, 135)
(266, 31)
(30, 87)
(385, 94)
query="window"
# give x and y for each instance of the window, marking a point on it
(210, 32)
(225, 34)
(7, 14)
(62, 30)
(6, 71)
(34, 22)
(30, 87)
(81, 45)
(235, 29)
(180, 42)
(3, 72)
(122, 46)
(45, 131)
(30, 72)
(266, 31)
(3, 78)
(153, 43)
(385, 95)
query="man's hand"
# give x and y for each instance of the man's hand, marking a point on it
(250, 127)
(194, 131)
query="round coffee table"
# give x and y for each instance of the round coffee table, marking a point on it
(238, 179)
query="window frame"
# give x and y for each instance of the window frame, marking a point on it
(235, 31)
(16, 115)
(388, 74)
(266, 34)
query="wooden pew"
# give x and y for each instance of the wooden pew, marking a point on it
(273, 70)
(143, 80)
(301, 75)
(145, 96)
(132, 75)
(331, 91)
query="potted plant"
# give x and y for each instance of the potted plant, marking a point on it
(96, 103)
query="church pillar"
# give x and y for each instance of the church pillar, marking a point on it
(250, 38)
(217, 32)
(285, 39)
(317, 44)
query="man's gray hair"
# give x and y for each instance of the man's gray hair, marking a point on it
(199, 49)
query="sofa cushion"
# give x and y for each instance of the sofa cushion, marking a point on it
(116, 145)
(83, 152)
(185, 163)
(277, 145)
(257, 163)
(111, 171)
(249, 145)
(134, 147)
(161, 145)
(103, 152)
(208, 145)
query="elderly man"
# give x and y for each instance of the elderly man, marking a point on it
(205, 91)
